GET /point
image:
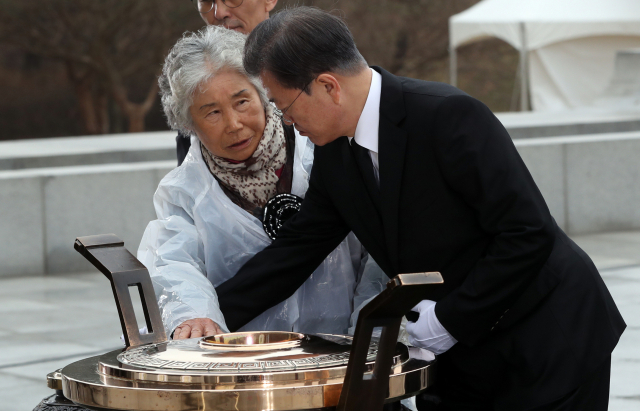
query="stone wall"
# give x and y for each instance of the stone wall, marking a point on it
(43, 210)
(591, 184)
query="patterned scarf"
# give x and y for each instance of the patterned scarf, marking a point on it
(254, 179)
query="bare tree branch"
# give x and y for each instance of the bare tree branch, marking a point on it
(112, 49)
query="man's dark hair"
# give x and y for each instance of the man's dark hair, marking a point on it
(298, 44)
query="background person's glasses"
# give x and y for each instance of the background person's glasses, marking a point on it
(205, 6)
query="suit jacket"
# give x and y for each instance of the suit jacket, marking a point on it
(456, 198)
(183, 143)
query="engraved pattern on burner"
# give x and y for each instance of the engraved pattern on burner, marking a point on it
(142, 357)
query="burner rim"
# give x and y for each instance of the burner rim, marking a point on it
(252, 340)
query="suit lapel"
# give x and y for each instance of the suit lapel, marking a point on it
(392, 142)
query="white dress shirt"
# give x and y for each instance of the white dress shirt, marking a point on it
(367, 129)
(427, 332)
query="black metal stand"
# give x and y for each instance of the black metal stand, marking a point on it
(367, 392)
(107, 253)
(58, 402)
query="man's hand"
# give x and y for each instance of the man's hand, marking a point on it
(427, 332)
(198, 327)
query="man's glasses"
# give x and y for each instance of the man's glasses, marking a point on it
(284, 112)
(286, 120)
(205, 6)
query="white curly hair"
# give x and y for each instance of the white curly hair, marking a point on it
(195, 59)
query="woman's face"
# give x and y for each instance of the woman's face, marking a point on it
(228, 116)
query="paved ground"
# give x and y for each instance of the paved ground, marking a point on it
(48, 322)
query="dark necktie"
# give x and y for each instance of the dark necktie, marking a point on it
(363, 158)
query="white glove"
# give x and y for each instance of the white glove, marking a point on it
(427, 332)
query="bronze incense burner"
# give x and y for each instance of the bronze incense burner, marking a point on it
(246, 370)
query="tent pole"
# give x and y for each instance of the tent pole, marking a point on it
(453, 66)
(524, 69)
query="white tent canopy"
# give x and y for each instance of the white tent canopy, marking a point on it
(551, 36)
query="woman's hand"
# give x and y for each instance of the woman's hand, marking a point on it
(198, 327)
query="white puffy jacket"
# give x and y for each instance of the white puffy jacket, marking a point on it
(201, 239)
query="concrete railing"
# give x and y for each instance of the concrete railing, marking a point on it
(591, 184)
(586, 120)
(87, 150)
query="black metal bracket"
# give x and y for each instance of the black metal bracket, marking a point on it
(386, 310)
(107, 253)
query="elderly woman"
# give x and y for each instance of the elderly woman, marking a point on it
(210, 208)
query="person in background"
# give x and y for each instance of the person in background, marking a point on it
(239, 15)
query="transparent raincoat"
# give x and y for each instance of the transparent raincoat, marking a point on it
(201, 239)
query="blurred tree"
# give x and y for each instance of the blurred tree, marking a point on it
(108, 47)
(411, 38)
(108, 53)
(403, 36)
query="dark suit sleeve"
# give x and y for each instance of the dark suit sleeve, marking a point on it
(480, 162)
(183, 143)
(276, 272)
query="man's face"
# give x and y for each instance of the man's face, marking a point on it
(243, 18)
(315, 116)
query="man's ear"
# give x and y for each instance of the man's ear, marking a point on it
(331, 86)
(269, 5)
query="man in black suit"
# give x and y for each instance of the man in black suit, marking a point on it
(431, 181)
